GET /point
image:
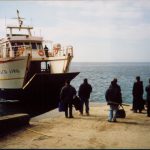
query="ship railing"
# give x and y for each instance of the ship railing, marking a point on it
(4, 52)
(65, 51)
(21, 50)
(69, 50)
(57, 52)
(24, 50)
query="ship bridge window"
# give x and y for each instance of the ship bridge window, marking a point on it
(33, 45)
(12, 44)
(18, 43)
(27, 43)
(39, 46)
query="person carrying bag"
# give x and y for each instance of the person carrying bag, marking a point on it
(114, 99)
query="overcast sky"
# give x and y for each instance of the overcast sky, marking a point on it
(99, 31)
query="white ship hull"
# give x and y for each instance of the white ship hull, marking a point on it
(12, 72)
(60, 64)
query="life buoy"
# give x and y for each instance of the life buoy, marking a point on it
(41, 52)
(21, 50)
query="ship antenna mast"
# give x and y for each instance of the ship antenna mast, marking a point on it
(20, 21)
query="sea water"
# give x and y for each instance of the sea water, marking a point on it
(100, 75)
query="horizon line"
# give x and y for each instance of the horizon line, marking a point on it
(110, 61)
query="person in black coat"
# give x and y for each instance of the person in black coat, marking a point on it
(147, 89)
(66, 96)
(137, 93)
(84, 92)
(114, 99)
(46, 51)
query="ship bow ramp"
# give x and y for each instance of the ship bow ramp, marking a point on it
(41, 93)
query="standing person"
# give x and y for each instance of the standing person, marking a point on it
(114, 99)
(137, 93)
(46, 51)
(85, 90)
(66, 95)
(147, 89)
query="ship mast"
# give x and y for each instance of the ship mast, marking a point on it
(19, 19)
(20, 22)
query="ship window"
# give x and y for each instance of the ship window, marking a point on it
(43, 66)
(39, 46)
(12, 44)
(33, 45)
(18, 43)
(26, 43)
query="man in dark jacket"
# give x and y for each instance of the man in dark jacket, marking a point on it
(137, 93)
(46, 51)
(85, 90)
(114, 99)
(66, 95)
(147, 89)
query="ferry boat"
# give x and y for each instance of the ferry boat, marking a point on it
(31, 74)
